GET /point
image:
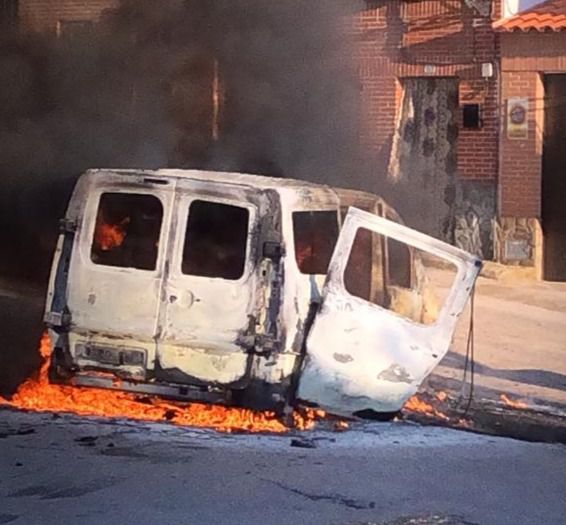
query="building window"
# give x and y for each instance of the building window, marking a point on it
(215, 240)
(8, 14)
(471, 116)
(315, 234)
(127, 231)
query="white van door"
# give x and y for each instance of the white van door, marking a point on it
(116, 271)
(373, 353)
(208, 310)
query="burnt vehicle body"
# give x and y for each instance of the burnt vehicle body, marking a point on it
(247, 290)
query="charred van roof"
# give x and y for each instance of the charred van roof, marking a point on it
(242, 179)
(307, 193)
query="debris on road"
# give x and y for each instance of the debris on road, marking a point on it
(303, 443)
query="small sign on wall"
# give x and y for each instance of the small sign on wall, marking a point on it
(517, 250)
(517, 118)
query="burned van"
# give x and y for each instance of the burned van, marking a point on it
(248, 290)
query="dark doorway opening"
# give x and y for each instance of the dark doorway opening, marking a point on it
(554, 178)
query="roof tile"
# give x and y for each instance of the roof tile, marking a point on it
(546, 16)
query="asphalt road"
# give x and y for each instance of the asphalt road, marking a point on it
(70, 470)
(58, 470)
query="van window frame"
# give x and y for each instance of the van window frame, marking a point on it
(458, 274)
(382, 210)
(86, 235)
(291, 244)
(182, 208)
(411, 250)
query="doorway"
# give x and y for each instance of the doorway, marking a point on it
(423, 162)
(554, 178)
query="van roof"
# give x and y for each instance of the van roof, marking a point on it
(243, 179)
(349, 197)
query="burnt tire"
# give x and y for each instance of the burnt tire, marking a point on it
(262, 396)
(59, 370)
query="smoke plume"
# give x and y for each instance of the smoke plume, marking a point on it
(135, 91)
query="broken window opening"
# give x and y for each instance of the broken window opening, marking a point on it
(399, 278)
(399, 264)
(315, 234)
(215, 240)
(127, 231)
(364, 276)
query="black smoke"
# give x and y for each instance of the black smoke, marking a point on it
(135, 91)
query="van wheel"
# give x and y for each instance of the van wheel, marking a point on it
(58, 372)
(260, 395)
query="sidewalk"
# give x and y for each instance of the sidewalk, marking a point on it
(520, 346)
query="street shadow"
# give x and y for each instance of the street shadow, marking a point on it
(527, 376)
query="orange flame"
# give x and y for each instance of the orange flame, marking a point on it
(38, 394)
(419, 406)
(110, 236)
(416, 404)
(441, 396)
(512, 403)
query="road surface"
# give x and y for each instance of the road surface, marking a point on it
(81, 471)
(58, 470)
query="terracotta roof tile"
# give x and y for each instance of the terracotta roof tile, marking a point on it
(547, 16)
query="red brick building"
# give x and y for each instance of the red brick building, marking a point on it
(460, 111)
(496, 188)
(532, 177)
(430, 96)
(59, 16)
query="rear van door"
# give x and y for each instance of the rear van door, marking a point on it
(116, 271)
(209, 306)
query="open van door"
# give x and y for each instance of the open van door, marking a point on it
(373, 352)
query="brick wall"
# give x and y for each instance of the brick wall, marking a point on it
(44, 15)
(396, 40)
(525, 57)
(520, 176)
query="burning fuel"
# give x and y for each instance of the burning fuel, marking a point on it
(511, 403)
(418, 405)
(38, 394)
